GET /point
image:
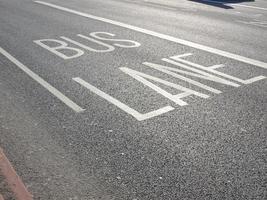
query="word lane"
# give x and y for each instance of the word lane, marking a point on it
(182, 69)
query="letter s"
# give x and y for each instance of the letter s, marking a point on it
(132, 43)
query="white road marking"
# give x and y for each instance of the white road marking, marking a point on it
(162, 36)
(253, 23)
(179, 59)
(199, 73)
(122, 106)
(217, 66)
(158, 5)
(109, 47)
(151, 4)
(170, 71)
(56, 49)
(62, 45)
(142, 77)
(237, 5)
(42, 82)
(97, 35)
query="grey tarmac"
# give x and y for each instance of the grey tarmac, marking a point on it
(133, 99)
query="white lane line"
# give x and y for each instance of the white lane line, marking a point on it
(237, 5)
(150, 4)
(259, 24)
(162, 36)
(122, 106)
(42, 82)
(217, 66)
(158, 5)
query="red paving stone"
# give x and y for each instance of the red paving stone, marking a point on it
(14, 182)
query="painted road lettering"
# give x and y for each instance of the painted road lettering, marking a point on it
(143, 78)
(177, 66)
(193, 70)
(171, 71)
(95, 37)
(61, 45)
(119, 42)
(107, 47)
(137, 115)
(160, 35)
(212, 70)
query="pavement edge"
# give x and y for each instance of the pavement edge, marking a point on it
(13, 180)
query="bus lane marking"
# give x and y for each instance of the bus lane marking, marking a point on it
(122, 106)
(160, 35)
(181, 68)
(191, 69)
(42, 82)
(95, 37)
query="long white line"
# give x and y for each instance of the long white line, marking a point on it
(253, 23)
(162, 36)
(238, 5)
(42, 82)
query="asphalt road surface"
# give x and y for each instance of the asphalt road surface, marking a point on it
(135, 100)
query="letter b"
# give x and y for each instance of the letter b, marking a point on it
(62, 46)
